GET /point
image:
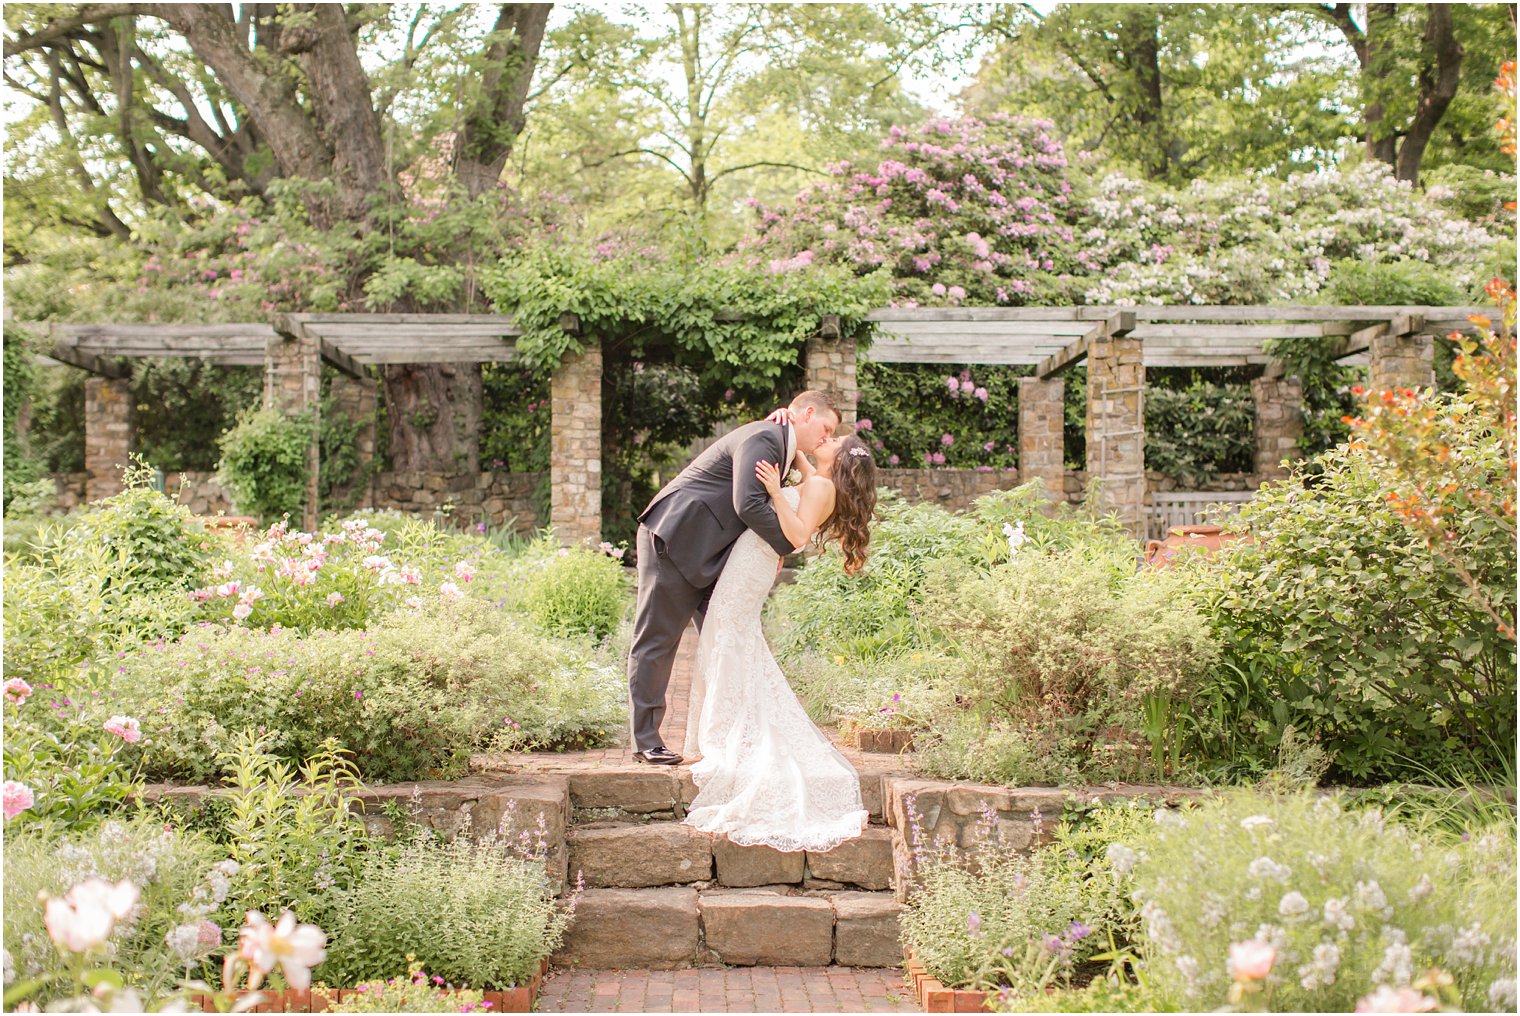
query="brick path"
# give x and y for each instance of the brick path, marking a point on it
(734, 989)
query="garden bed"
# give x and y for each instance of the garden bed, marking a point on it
(935, 997)
(318, 999)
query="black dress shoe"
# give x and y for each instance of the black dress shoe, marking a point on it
(661, 756)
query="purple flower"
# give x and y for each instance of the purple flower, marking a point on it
(974, 923)
(893, 460)
(947, 440)
(981, 393)
(989, 446)
(863, 424)
(938, 458)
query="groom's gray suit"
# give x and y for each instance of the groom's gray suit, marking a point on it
(684, 539)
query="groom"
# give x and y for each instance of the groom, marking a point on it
(683, 542)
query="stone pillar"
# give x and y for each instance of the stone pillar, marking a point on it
(575, 448)
(1279, 423)
(293, 383)
(830, 367)
(1042, 442)
(1116, 428)
(1401, 361)
(108, 432)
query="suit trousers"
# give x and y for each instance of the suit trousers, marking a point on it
(667, 602)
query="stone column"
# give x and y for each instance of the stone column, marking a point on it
(108, 433)
(293, 384)
(830, 367)
(1279, 423)
(1042, 433)
(1401, 361)
(1116, 428)
(575, 448)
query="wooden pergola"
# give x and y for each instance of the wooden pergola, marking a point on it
(1116, 344)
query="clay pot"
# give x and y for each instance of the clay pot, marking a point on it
(1159, 553)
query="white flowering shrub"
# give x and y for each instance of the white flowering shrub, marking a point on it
(1316, 907)
(183, 878)
(1244, 240)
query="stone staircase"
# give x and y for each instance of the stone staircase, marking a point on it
(661, 895)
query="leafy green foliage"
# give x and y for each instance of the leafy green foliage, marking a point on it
(292, 832)
(1340, 622)
(410, 698)
(78, 772)
(1194, 433)
(471, 913)
(1345, 900)
(572, 591)
(264, 462)
(911, 408)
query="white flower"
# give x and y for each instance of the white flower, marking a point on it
(1467, 947)
(1337, 916)
(1397, 966)
(1214, 910)
(1121, 858)
(1253, 822)
(1370, 897)
(296, 948)
(413, 602)
(1293, 904)
(1015, 536)
(1501, 995)
(84, 917)
(464, 571)
(1319, 972)
(1266, 868)
(449, 591)
(184, 940)
(1187, 966)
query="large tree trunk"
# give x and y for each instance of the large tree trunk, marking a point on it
(1142, 54)
(496, 117)
(345, 111)
(434, 412)
(1438, 86)
(1382, 142)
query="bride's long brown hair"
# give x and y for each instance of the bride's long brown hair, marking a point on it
(854, 479)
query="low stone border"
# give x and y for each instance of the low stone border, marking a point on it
(519, 999)
(935, 997)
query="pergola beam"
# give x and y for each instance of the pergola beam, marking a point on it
(1113, 326)
(65, 351)
(1360, 340)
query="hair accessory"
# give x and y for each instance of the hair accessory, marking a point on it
(860, 453)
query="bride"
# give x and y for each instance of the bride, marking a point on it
(767, 775)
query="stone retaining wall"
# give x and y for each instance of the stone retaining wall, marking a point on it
(493, 498)
(951, 489)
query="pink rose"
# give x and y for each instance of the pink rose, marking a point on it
(17, 691)
(1251, 960)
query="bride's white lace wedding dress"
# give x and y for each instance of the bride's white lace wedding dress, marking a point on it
(767, 775)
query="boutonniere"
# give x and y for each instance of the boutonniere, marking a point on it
(793, 477)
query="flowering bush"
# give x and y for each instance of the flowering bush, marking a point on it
(959, 211)
(410, 698)
(476, 914)
(571, 591)
(1313, 908)
(1262, 240)
(153, 938)
(994, 918)
(416, 991)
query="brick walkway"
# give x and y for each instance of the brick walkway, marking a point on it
(734, 989)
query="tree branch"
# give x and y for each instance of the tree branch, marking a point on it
(766, 162)
(64, 27)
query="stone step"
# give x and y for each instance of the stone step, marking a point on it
(631, 855)
(669, 928)
(655, 793)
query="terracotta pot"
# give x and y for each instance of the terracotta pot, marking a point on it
(1159, 553)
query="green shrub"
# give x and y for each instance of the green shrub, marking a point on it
(989, 916)
(115, 573)
(571, 591)
(1347, 901)
(264, 461)
(76, 761)
(410, 698)
(471, 913)
(172, 869)
(1061, 655)
(1196, 432)
(1340, 622)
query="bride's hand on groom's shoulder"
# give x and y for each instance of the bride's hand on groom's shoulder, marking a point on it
(782, 415)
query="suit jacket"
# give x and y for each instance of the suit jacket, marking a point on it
(701, 512)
